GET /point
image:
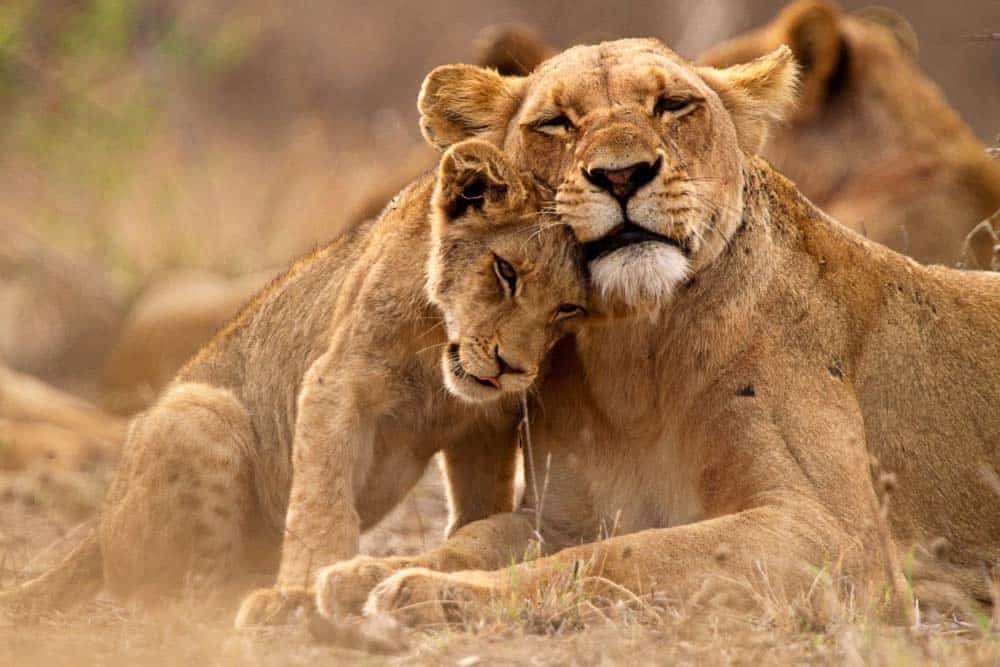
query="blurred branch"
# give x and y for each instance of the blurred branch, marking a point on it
(984, 36)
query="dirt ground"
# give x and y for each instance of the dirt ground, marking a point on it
(38, 512)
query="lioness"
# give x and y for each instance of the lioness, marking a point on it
(350, 353)
(873, 141)
(766, 356)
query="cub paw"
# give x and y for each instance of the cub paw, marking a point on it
(272, 606)
(418, 596)
(341, 589)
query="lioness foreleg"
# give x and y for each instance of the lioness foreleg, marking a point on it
(766, 541)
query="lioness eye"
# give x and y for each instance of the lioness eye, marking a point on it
(671, 105)
(568, 310)
(505, 274)
(555, 124)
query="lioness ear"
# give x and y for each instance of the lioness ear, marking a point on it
(512, 50)
(474, 174)
(811, 28)
(757, 94)
(463, 101)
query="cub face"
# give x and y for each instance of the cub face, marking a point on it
(507, 276)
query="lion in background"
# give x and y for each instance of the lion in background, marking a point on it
(873, 141)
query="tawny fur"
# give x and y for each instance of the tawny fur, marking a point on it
(750, 413)
(310, 416)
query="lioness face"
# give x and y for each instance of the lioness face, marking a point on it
(645, 151)
(507, 276)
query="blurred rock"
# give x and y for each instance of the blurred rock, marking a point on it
(168, 324)
(58, 315)
(43, 427)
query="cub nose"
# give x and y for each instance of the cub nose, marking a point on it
(622, 183)
(504, 365)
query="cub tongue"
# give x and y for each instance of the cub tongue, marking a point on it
(495, 382)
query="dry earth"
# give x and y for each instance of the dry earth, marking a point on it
(39, 509)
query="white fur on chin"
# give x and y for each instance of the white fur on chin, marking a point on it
(640, 275)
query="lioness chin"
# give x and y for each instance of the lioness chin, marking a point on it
(310, 416)
(765, 368)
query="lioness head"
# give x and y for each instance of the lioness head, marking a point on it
(644, 150)
(506, 275)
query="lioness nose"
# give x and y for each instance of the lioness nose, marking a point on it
(622, 183)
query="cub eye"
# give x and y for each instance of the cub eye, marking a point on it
(568, 310)
(560, 124)
(505, 274)
(672, 105)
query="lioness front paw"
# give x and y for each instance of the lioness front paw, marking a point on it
(342, 588)
(418, 596)
(273, 606)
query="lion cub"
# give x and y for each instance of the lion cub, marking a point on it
(310, 416)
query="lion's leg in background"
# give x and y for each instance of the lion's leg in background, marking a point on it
(479, 469)
(178, 512)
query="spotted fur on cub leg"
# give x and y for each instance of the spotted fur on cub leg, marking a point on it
(183, 496)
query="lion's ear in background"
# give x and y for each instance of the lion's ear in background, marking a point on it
(757, 94)
(811, 29)
(900, 28)
(512, 49)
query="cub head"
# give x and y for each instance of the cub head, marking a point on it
(645, 151)
(507, 276)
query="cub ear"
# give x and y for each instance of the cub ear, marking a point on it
(511, 49)
(811, 28)
(464, 101)
(757, 94)
(474, 174)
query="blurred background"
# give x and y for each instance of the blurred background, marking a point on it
(147, 135)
